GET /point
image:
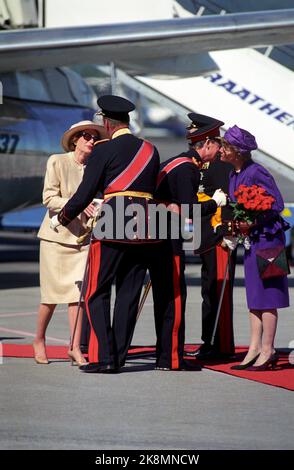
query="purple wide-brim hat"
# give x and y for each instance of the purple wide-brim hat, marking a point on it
(243, 140)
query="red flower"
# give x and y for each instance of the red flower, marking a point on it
(242, 198)
(261, 191)
(253, 192)
(251, 200)
(247, 205)
(264, 205)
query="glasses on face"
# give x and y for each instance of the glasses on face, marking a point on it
(87, 136)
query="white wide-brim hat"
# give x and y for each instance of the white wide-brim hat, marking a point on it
(67, 138)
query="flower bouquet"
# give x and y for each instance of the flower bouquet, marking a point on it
(251, 201)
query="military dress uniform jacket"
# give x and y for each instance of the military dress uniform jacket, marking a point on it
(214, 260)
(214, 177)
(217, 176)
(125, 163)
(179, 180)
(177, 183)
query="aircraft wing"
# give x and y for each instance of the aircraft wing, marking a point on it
(151, 40)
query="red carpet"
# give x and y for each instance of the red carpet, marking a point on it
(282, 376)
(26, 350)
(58, 352)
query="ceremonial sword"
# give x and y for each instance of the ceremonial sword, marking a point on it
(221, 299)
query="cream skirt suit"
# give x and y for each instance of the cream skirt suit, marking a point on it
(62, 260)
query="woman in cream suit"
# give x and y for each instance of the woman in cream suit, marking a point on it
(62, 259)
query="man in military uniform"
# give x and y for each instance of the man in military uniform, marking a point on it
(178, 183)
(125, 172)
(214, 259)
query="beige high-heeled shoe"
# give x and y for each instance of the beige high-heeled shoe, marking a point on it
(76, 358)
(40, 359)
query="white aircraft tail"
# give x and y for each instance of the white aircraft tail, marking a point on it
(249, 90)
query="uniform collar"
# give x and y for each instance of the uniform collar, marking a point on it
(196, 158)
(124, 130)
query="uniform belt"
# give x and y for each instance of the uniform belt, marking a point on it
(129, 193)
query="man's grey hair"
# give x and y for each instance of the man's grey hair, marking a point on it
(98, 119)
(116, 122)
(200, 144)
(197, 145)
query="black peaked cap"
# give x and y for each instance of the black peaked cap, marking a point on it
(115, 107)
(202, 127)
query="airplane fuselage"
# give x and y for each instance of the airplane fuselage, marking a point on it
(30, 131)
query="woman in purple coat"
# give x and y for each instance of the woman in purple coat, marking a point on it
(264, 296)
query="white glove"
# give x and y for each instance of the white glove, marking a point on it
(220, 198)
(98, 204)
(54, 222)
(247, 243)
(231, 242)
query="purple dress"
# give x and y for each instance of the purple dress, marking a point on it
(269, 293)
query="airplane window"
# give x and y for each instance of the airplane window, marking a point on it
(67, 87)
(81, 91)
(9, 84)
(32, 86)
(57, 85)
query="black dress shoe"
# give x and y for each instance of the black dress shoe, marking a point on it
(211, 354)
(192, 353)
(98, 368)
(190, 366)
(185, 365)
(204, 348)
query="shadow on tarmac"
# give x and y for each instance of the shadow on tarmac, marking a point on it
(13, 280)
(10, 338)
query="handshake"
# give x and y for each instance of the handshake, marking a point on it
(93, 210)
(54, 223)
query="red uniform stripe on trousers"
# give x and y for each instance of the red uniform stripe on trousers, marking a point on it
(94, 268)
(225, 313)
(178, 312)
